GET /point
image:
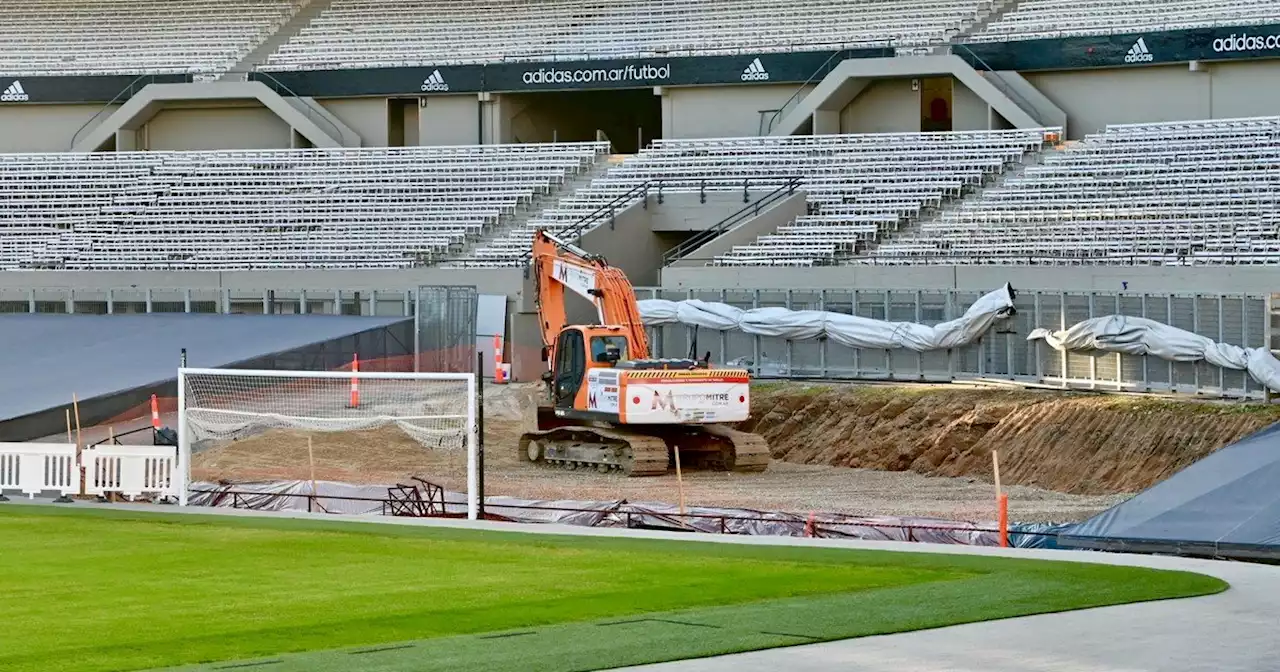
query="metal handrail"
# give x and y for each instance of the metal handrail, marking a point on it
(822, 71)
(573, 232)
(714, 231)
(311, 106)
(75, 137)
(999, 82)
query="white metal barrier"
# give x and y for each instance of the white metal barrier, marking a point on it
(131, 471)
(33, 468)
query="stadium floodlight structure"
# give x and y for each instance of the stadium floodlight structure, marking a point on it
(217, 406)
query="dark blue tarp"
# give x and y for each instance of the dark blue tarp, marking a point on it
(1227, 504)
(45, 358)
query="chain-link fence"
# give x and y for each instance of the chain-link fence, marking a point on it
(446, 325)
(1002, 354)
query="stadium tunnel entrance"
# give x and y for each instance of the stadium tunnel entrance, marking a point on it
(629, 118)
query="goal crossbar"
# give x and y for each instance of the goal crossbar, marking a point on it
(468, 420)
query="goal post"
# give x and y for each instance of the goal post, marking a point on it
(438, 411)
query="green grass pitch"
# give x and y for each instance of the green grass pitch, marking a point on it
(104, 590)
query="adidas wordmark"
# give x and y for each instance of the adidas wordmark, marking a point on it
(755, 72)
(434, 82)
(1139, 53)
(14, 94)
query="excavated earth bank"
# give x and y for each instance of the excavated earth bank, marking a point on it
(1079, 443)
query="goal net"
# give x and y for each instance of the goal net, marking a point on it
(266, 415)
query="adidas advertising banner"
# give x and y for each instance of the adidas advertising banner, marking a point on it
(789, 67)
(379, 81)
(1100, 51)
(103, 89)
(567, 75)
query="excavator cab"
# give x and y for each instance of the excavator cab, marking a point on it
(578, 350)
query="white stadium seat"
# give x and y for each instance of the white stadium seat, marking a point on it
(1172, 193)
(1035, 19)
(377, 33)
(348, 208)
(859, 187)
(98, 37)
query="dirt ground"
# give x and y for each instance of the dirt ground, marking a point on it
(873, 450)
(1079, 443)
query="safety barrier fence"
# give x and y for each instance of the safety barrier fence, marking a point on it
(824, 525)
(33, 469)
(1001, 355)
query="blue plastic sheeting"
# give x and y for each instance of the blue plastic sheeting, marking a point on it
(1227, 504)
(45, 358)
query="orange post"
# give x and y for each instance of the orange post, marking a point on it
(155, 412)
(1002, 501)
(499, 376)
(1003, 504)
(355, 381)
(810, 526)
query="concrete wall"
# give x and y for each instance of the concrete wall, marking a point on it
(449, 120)
(781, 212)
(1140, 279)
(365, 116)
(221, 127)
(44, 128)
(720, 111)
(885, 106)
(968, 111)
(686, 213)
(1095, 98)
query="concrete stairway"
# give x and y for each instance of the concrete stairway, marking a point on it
(541, 202)
(911, 229)
(258, 55)
(985, 18)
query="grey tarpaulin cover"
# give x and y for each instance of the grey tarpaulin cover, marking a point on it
(291, 496)
(1141, 336)
(848, 330)
(1226, 504)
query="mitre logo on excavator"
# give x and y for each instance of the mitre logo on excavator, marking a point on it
(667, 403)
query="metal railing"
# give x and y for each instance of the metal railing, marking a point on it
(312, 110)
(126, 93)
(819, 74)
(709, 234)
(573, 233)
(1001, 85)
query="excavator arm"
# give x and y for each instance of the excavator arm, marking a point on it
(559, 265)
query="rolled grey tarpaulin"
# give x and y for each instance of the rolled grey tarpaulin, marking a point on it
(1141, 336)
(847, 330)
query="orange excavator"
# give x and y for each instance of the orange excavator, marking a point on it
(612, 408)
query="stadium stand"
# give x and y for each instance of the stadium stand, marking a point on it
(99, 37)
(375, 33)
(1194, 192)
(1033, 19)
(858, 186)
(365, 208)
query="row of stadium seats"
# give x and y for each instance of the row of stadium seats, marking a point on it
(39, 37)
(858, 186)
(1032, 19)
(91, 37)
(374, 33)
(1165, 193)
(366, 208)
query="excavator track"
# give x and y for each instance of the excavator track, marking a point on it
(598, 448)
(634, 453)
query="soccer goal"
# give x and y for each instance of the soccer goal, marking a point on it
(257, 412)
